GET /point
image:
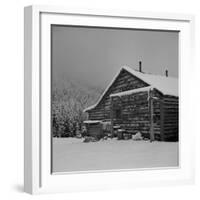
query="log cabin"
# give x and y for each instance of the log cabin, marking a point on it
(140, 102)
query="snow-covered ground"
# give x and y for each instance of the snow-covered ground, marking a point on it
(71, 154)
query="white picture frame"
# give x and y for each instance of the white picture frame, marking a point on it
(37, 138)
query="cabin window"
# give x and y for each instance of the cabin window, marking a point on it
(118, 113)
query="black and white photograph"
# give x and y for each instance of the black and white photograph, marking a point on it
(114, 99)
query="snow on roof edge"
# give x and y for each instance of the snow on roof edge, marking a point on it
(131, 71)
(147, 78)
(128, 92)
(104, 92)
(92, 121)
(90, 107)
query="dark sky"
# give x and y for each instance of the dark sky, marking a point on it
(94, 55)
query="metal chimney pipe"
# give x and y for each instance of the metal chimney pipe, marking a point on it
(140, 66)
(166, 73)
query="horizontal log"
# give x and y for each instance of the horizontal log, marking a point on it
(176, 103)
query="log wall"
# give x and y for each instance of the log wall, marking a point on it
(125, 81)
(171, 118)
(157, 112)
(135, 113)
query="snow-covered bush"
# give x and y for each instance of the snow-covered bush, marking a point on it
(68, 103)
(137, 136)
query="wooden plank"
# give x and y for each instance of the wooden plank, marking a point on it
(111, 115)
(151, 118)
(162, 118)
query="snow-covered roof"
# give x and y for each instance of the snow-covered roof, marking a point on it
(129, 92)
(166, 85)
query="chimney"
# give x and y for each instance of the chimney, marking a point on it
(166, 73)
(140, 66)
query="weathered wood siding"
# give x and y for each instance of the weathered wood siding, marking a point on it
(95, 130)
(135, 113)
(125, 81)
(171, 118)
(157, 114)
(135, 109)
